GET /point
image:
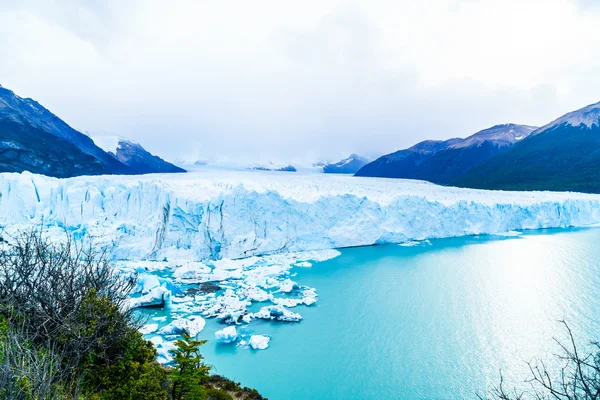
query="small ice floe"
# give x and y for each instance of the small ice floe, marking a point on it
(191, 271)
(279, 313)
(254, 293)
(191, 326)
(145, 283)
(410, 243)
(227, 307)
(226, 335)
(149, 328)
(259, 342)
(182, 299)
(164, 352)
(303, 264)
(510, 234)
(287, 286)
(156, 340)
(160, 319)
(309, 296)
(157, 297)
(287, 302)
(230, 265)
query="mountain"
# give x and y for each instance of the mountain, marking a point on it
(34, 139)
(563, 155)
(349, 165)
(405, 163)
(441, 161)
(134, 156)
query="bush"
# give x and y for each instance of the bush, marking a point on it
(29, 372)
(216, 394)
(136, 376)
(66, 332)
(67, 294)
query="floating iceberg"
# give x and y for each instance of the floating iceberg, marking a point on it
(157, 297)
(149, 328)
(227, 307)
(146, 282)
(226, 335)
(279, 313)
(191, 326)
(191, 271)
(259, 342)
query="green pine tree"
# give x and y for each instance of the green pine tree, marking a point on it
(191, 372)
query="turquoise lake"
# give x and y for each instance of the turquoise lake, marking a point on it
(437, 320)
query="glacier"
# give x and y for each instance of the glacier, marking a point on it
(219, 214)
(223, 245)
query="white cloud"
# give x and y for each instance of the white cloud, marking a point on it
(287, 80)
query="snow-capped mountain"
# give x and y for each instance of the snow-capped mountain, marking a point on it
(588, 117)
(562, 155)
(349, 165)
(501, 135)
(34, 139)
(442, 161)
(132, 154)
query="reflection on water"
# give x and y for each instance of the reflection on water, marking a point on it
(435, 320)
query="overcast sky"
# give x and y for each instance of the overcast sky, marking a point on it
(299, 80)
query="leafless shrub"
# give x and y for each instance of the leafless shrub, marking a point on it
(29, 372)
(64, 294)
(577, 379)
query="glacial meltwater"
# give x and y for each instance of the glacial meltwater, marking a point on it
(435, 320)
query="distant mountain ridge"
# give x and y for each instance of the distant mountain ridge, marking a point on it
(349, 165)
(34, 139)
(133, 155)
(562, 155)
(441, 161)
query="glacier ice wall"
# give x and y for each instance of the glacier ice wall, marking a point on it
(218, 214)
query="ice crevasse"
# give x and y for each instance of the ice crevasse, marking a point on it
(219, 214)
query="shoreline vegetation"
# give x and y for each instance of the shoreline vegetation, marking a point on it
(66, 332)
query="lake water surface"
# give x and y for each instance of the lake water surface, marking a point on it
(437, 320)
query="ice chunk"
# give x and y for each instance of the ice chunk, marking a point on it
(190, 326)
(309, 296)
(259, 342)
(253, 293)
(287, 286)
(157, 297)
(164, 352)
(511, 234)
(191, 271)
(226, 335)
(287, 302)
(279, 313)
(227, 307)
(149, 328)
(156, 340)
(230, 265)
(303, 264)
(146, 282)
